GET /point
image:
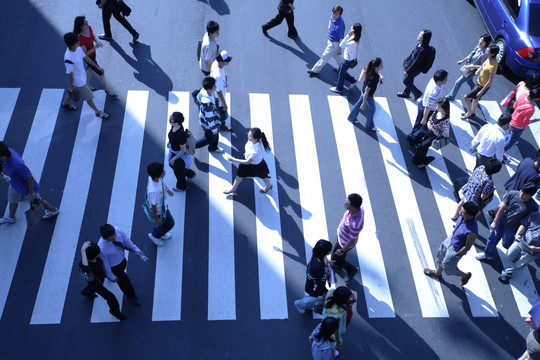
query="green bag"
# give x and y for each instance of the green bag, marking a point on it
(147, 208)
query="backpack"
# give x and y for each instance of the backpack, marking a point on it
(430, 58)
(191, 142)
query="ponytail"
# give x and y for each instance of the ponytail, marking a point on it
(259, 135)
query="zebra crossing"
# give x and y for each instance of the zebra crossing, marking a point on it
(274, 300)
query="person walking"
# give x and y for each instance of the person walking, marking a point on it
(338, 305)
(22, 184)
(91, 269)
(521, 117)
(350, 54)
(473, 62)
(112, 244)
(488, 143)
(208, 115)
(414, 64)
(209, 47)
(521, 88)
(485, 76)
(156, 192)
(323, 340)
(317, 274)
(456, 245)
(347, 236)
(336, 32)
(218, 73)
(179, 158)
(89, 45)
(112, 8)
(73, 60)
(285, 11)
(438, 126)
(253, 164)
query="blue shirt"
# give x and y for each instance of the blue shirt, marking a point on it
(19, 174)
(462, 229)
(337, 29)
(112, 254)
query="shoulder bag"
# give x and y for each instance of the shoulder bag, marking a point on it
(35, 213)
(147, 208)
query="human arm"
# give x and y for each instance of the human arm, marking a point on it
(31, 196)
(182, 151)
(240, 161)
(498, 216)
(487, 86)
(417, 59)
(425, 115)
(344, 42)
(127, 242)
(471, 238)
(520, 231)
(366, 94)
(84, 259)
(489, 188)
(91, 62)
(222, 100)
(107, 267)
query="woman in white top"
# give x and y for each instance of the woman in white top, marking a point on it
(253, 165)
(350, 49)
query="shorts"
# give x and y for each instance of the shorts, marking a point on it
(446, 257)
(95, 69)
(472, 94)
(84, 92)
(15, 197)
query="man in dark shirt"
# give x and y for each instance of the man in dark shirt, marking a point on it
(414, 64)
(286, 11)
(516, 206)
(112, 8)
(526, 171)
(91, 268)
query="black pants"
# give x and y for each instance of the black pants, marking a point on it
(289, 16)
(340, 262)
(209, 139)
(107, 13)
(420, 155)
(123, 281)
(179, 169)
(408, 81)
(482, 160)
(96, 287)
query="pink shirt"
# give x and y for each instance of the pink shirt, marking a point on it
(523, 111)
(350, 226)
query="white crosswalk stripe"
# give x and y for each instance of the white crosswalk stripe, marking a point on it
(223, 280)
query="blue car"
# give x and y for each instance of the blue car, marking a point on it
(514, 26)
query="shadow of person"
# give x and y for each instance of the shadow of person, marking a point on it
(304, 53)
(147, 71)
(219, 6)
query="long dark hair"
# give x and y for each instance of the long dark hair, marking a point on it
(78, 24)
(445, 105)
(372, 65)
(259, 135)
(340, 297)
(321, 249)
(357, 28)
(329, 325)
(426, 37)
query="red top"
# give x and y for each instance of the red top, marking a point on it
(87, 41)
(523, 111)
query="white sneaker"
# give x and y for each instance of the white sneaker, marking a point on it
(301, 311)
(483, 256)
(49, 214)
(7, 220)
(167, 236)
(156, 241)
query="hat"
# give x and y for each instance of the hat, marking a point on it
(224, 56)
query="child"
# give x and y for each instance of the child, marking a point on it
(323, 341)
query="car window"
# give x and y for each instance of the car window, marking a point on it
(534, 15)
(512, 6)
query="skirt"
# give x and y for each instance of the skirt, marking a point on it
(248, 170)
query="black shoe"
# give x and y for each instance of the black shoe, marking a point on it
(117, 314)
(105, 37)
(312, 73)
(418, 97)
(135, 301)
(264, 31)
(89, 295)
(293, 36)
(401, 94)
(135, 37)
(502, 279)
(429, 159)
(190, 173)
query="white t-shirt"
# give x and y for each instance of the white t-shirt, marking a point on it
(254, 152)
(221, 78)
(156, 196)
(77, 66)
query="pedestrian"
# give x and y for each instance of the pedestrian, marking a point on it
(433, 93)
(350, 58)
(114, 8)
(91, 269)
(112, 244)
(285, 11)
(521, 117)
(366, 104)
(338, 305)
(521, 88)
(526, 247)
(253, 164)
(414, 64)
(484, 79)
(156, 192)
(347, 236)
(209, 47)
(22, 184)
(179, 158)
(533, 346)
(528, 170)
(489, 142)
(473, 62)
(89, 44)
(438, 126)
(515, 206)
(323, 340)
(317, 274)
(73, 60)
(480, 187)
(336, 33)
(457, 244)
(218, 73)
(208, 115)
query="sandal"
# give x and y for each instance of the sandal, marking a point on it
(265, 190)
(432, 273)
(465, 279)
(103, 115)
(229, 192)
(69, 107)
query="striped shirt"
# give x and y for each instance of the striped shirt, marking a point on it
(350, 226)
(432, 95)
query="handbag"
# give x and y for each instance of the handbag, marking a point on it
(191, 143)
(147, 208)
(353, 63)
(124, 9)
(509, 97)
(35, 213)
(466, 72)
(439, 142)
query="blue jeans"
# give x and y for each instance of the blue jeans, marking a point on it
(495, 236)
(462, 80)
(167, 225)
(309, 302)
(519, 259)
(343, 75)
(515, 134)
(368, 112)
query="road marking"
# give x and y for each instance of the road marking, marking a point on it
(378, 297)
(124, 191)
(8, 99)
(272, 289)
(59, 265)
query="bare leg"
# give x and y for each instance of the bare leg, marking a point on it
(467, 104)
(47, 206)
(268, 185)
(88, 76)
(66, 99)
(93, 106)
(473, 106)
(12, 209)
(104, 82)
(525, 356)
(237, 181)
(439, 270)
